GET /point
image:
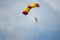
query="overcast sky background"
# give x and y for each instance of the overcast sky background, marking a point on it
(15, 26)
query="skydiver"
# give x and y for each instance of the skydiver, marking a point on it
(36, 19)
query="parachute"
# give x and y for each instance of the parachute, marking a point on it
(29, 7)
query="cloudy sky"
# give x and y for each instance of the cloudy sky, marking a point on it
(16, 26)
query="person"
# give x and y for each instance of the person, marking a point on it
(36, 19)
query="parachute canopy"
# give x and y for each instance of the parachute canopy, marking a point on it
(29, 7)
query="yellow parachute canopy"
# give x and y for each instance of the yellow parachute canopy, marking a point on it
(27, 9)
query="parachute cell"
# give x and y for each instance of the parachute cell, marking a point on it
(29, 7)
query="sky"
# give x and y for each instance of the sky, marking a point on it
(16, 26)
